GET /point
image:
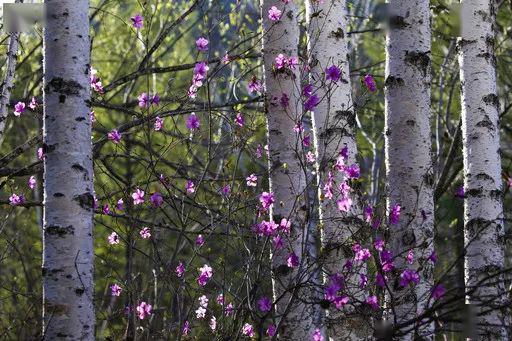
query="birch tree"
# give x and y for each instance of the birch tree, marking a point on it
(408, 155)
(68, 174)
(287, 177)
(334, 128)
(483, 211)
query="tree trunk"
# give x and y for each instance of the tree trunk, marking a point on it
(12, 51)
(334, 127)
(483, 210)
(287, 176)
(408, 156)
(68, 174)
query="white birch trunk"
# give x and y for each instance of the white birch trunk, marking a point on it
(483, 210)
(408, 155)
(68, 174)
(12, 51)
(287, 176)
(334, 127)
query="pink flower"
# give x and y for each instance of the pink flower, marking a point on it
(230, 309)
(202, 44)
(344, 204)
(213, 323)
(92, 117)
(116, 290)
(363, 281)
(220, 299)
(40, 154)
(138, 196)
(409, 276)
(239, 119)
(114, 136)
(292, 261)
(410, 257)
(362, 255)
(311, 102)
(145, 233)
(281, 61)
(254, 85)
(206, 272)
(394, 215)
(190, 187)
(203, 301)
(264, 304)
(380, 280)
(19, 108)
(200, 313)
(368, 214)
(379, 245)
(373, 302)
(119, 205)
(113, 238)
(33, 104)
(200, 240)
(509, 182)
(137, 21)
(226, 59)
(144, 100)
(186, 328)
(333, 73)
(143, 310)
(248, 330)
(370, 83)
(156, 199)
(193, 122)
(159, 123)
(271, 330)
(106, 209)
(180, 269)
(274, 13)
(32, 182)
(251, 180)
(266, 200)
(310, 157)
(340, 301)
(16, 200)
(317, 335)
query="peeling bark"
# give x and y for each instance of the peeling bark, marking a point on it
(408, 155)
(483, 209)
(68, 311)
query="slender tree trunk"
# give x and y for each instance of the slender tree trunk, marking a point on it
(12, 51)
(68, 174)
(334, 127)
(408, 156)
(287, 176)
(483, 210)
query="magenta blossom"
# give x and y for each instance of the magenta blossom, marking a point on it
(16, 200)
(265, 304)
(438, 291)
(137, 21)
(333, 73)
(145, 233)
(271, 330)
(138, 196)
(292, 261)
(239, 120)
(274, 13)
(460, 193)
(19, 108)
(394, 215)
(248, 330)
(311, 102)
(200, 240)
(113, 238)
(206, 272)
(190, 187)
(409, 276)
(186, 328)
(120, 204)
(266, 200)
(114, 136)
(254, 85)
(40, 154)
(180, 269)
(317, 335)
(143, 310)
(156, 199)
(159, 123)
(370, 83)
(362, 255)
(116, 290)
(373, 302)
(202, 44)
(251, 180)
(33, 104)
(193, 122)
(32, 182)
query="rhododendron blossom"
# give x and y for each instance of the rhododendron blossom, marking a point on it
(16, 200)
(143, 310)
(137, 21)
(32, 182)
(145, 233)
(202, 44)
(274, 13)
(138, 197)
(19, 108)
(116, 290)
(394, 215)
(205, 273)
(251, 180)
(113, 238)
(248, 330)
(114, 136)
(264, 304)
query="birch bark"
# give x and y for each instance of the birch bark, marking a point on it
(68, 174)
(287, 176)
(12, 51)
(334, 122)
(484, 239)
(408, 156)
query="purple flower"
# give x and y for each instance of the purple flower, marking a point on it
(281, 61)
(186, 328)
(206, 272)
(190, 186)
(254, 85)
(138, 196)
(114, 136)
(292, 261)
(344, 204)
(155, 99)
(32, 182)
(373, 302)
(137, 21)
(113, 238)
(159, 123)
(226, 190)
(438, 291)
(180, 269)
(307, 91)
(156, 199)
(340, 301)
(368, 214)
(370, 83)
(409, 276)
(19, 108)
(193, 122)
(33, 104)
(271, 330)
(433, 257)
(145, 233)
(266, 200)
(274, 13)
(144, 100)
(16, 200)
(264, 304)
(106, 209)
(202, 44)
(239, 119)
(362, 255)
(120, 204)
(143, 310)
(394, 215)
(116, 290)
(380, 280)
(311, 102)
(333, 73)
(200, 240)
(460, 193)
(317, 335)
